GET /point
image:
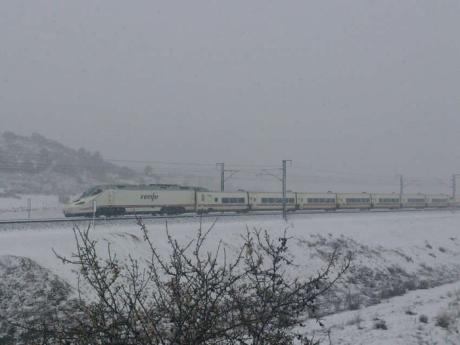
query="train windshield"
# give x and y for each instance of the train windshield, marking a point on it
(91, 192)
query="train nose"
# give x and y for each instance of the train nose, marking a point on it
(73, 209)
(67, 211)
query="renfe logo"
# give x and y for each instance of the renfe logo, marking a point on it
(152, 196)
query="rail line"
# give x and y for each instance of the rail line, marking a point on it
(103, 219)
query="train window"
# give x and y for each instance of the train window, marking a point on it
(91, 192)
(356, 200)
(389, 200)
(233, 200)
(216, 199)
(202, 197)
(277, 200)
(416, 200)
(321, 200)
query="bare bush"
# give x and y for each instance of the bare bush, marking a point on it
(444, 320)
(192, 296)
(352, 300)
(380, 324)
(423, 318)
(356, 320)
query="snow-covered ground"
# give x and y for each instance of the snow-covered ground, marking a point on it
(403, 238)
(428, 317)
(41, 206)
(393, 254)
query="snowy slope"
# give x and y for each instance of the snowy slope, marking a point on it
(406, 238)
(420, 317)
(29, 294)
(393, 252)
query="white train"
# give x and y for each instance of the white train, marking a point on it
(116, 200)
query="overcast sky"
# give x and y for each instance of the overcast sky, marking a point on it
(349, 86)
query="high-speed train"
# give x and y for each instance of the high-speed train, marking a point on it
(117, 200)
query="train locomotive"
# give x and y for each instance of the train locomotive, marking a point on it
(118, 200)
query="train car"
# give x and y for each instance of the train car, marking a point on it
(112, 200)
(354, 200)
(454, 202)
(83, 206)
(266, 201)
(413, 200)
(437, 200)
(316, 201)
(386, 201)
(221, 201)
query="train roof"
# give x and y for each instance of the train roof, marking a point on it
(148, 187)
(158, 187)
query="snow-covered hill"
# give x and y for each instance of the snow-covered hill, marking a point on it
(37, 165)
(29, 294)
(394, 254)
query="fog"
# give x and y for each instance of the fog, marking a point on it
(367, 89)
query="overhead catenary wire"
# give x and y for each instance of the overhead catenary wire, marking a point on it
(246, 172)
(255, 171)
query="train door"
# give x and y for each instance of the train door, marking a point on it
(111, 198)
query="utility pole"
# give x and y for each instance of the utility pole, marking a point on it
(94, 214)
(401, 187)
(29, 207)
(454, 185)
(283, 181)
(222, 175)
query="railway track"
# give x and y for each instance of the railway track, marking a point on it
(191, 216)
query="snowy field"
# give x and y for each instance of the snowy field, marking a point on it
(41, 206)
(412, 255)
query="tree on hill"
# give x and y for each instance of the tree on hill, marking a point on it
(148, 170)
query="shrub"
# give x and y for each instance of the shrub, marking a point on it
(443, 320)
(352, 301)
(356, 320)
(424, 284)
(423, 318)
(195, 297)
(380, 324)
